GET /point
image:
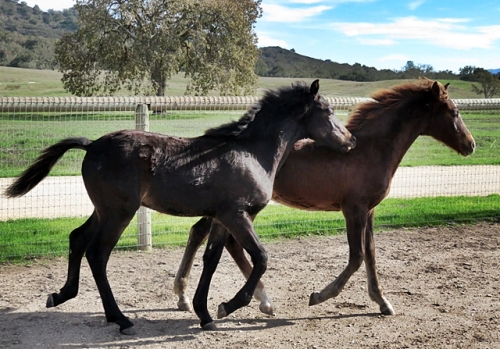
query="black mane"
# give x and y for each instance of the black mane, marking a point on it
(275, 104)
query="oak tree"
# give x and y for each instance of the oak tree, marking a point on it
(138, 45)
(489, 84)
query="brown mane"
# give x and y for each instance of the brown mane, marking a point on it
(392, 98)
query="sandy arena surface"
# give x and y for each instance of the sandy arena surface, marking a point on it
(443, 283)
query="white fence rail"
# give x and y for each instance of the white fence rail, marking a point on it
(169, 103)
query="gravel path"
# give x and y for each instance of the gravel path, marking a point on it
(67, 197)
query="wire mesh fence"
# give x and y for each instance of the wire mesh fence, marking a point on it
(432, 185)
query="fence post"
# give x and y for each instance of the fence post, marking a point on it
(144, 238)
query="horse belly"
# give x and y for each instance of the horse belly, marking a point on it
(178, 198)
(305, 204)
(305, 194)
(310, 182)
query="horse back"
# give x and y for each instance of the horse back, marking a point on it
(173, 175)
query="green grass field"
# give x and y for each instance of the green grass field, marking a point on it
(25, 239)
(18, 82)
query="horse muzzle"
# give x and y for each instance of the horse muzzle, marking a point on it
(468, 147)
(351, 144)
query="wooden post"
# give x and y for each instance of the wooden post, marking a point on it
(144, 238)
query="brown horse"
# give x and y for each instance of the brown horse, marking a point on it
(226, 174)
(319, 179)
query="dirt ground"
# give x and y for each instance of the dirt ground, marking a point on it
(443, 283)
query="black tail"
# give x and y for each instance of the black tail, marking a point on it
(43, 164)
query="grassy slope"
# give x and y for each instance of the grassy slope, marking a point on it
(17, 82)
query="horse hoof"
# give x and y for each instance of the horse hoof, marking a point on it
(209, 327)
(314, 299)
(267, 308)
(221, 313)
(387, 309)
(50, 301)
(185, 306)
(130, 331)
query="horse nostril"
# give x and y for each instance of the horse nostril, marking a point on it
(353, 139)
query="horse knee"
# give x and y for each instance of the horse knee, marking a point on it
(355, 261)
(260, 261)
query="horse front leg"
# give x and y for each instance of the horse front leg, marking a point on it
(79, 240)
(260, 294)
(240, 225)
(197, 235)
(211, 257)
(374, 290)
(356, 220)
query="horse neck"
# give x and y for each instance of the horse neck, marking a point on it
(273, 146)
(391, 141)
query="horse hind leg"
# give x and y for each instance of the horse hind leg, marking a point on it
(374, 290)
(197, 235)
(260, 294)
(79, 240)
(98, 254)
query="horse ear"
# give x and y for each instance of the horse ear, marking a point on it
(314, 87)
(440, 91)
(446, 86)
(436, 90)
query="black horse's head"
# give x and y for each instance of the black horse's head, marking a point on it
(322, 124)
(301, 105)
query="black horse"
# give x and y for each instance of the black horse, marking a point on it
(227, 174)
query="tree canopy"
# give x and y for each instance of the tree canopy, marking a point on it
(489, 84)
(139, 44)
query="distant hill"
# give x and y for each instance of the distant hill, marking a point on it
(494, 71)
(280, 62)
(27, 34)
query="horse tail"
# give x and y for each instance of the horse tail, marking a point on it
(43, 164)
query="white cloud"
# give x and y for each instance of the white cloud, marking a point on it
(327, 2)
(265, 41)
(415, 4)
(46, 5)
(394, 57)
(306, 1)
(377, 42)
(445, 32)
(278, 13)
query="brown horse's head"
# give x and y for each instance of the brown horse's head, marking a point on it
(446, 124)
(324, 127)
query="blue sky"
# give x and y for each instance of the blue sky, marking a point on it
(380, 33)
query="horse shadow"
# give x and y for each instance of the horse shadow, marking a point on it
(90, 330)
(50, 329)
